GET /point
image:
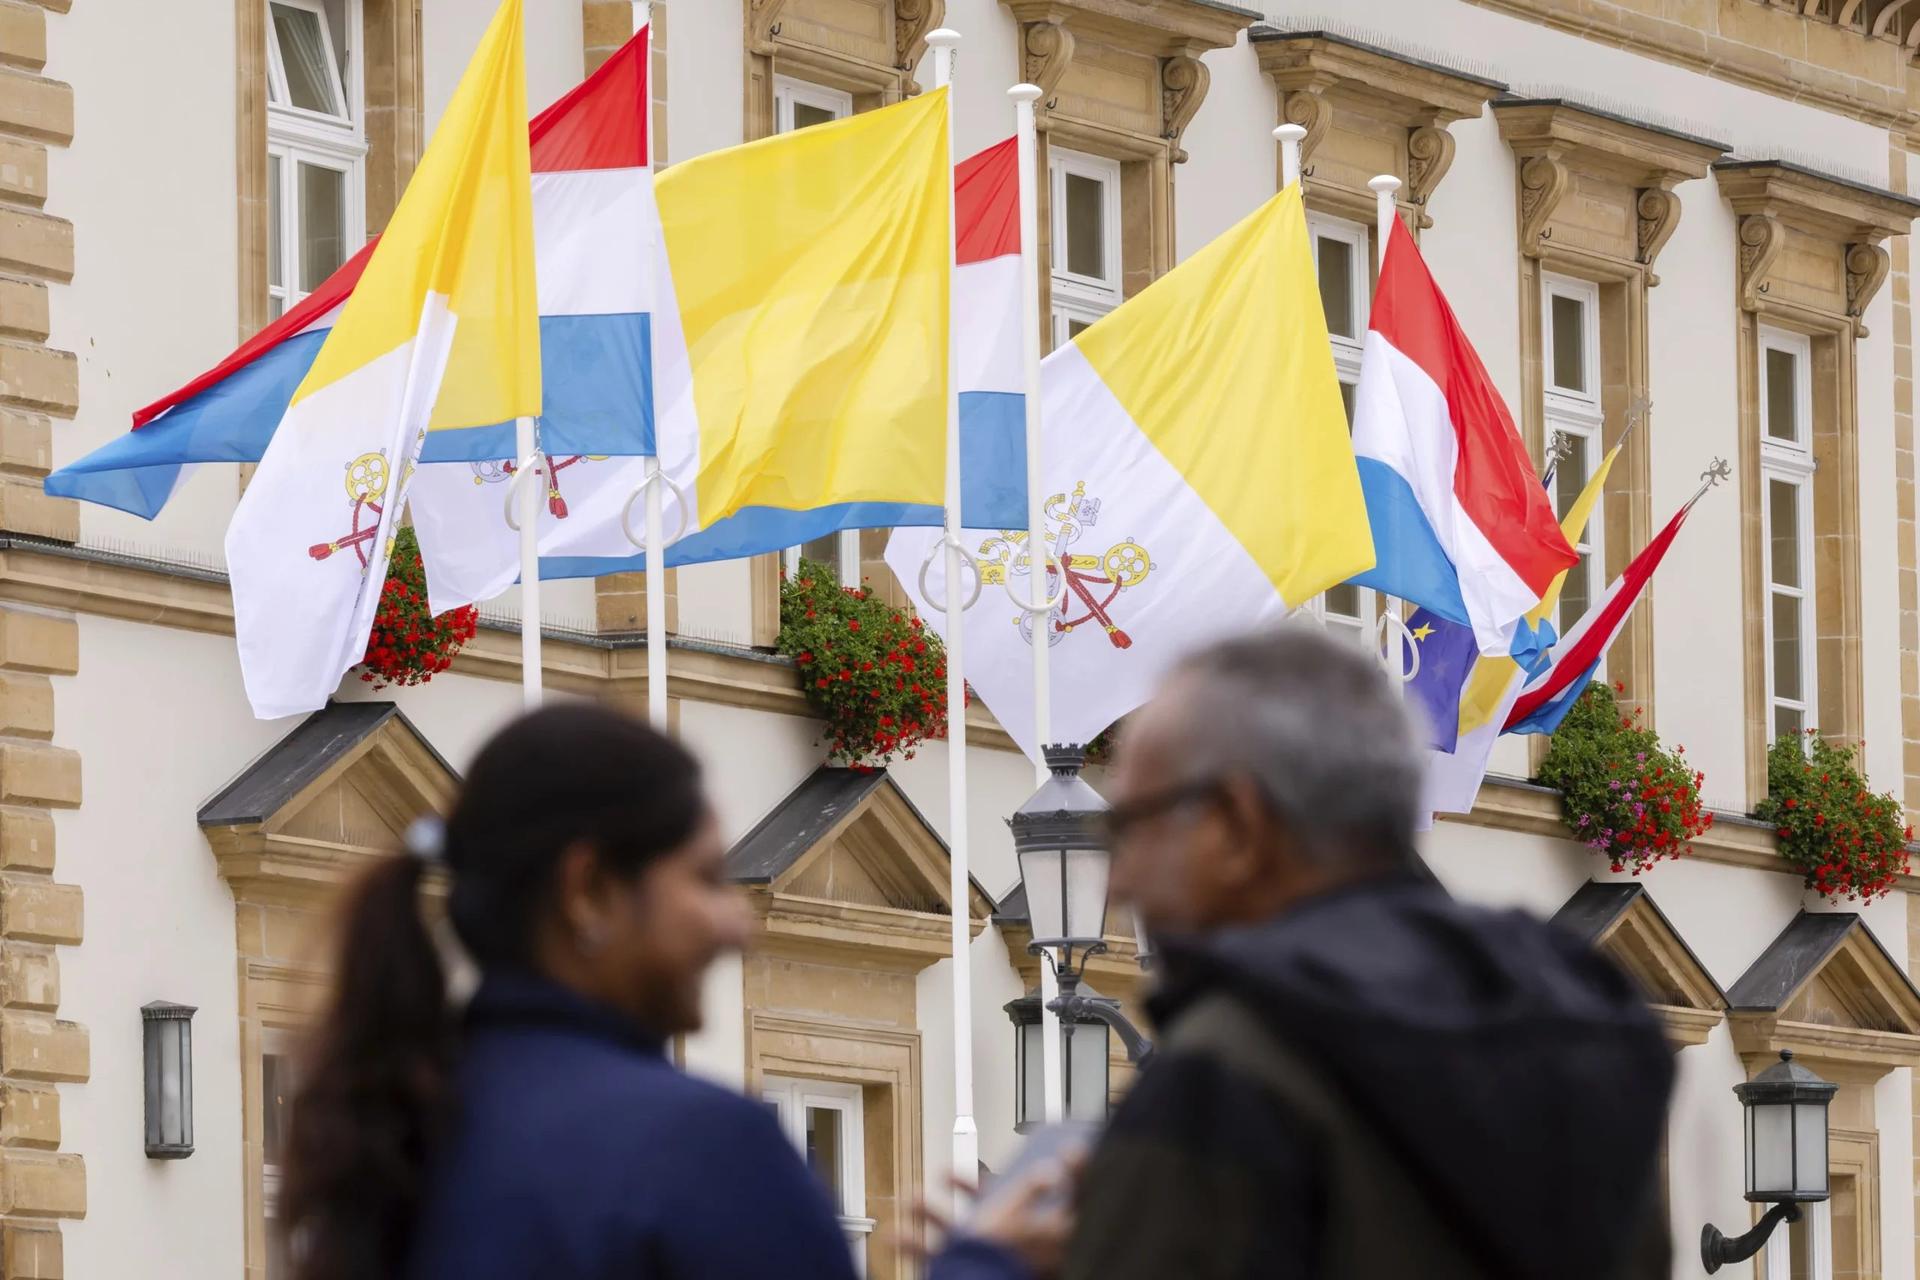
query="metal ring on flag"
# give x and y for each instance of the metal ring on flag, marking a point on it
(949, 541)
(1040, 610)
(525, 469)
(680, 505)
(1404, 674)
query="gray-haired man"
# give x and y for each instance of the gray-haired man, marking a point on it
(1358, 1076)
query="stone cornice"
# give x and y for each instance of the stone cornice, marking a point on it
(1735, 840)
(1821, 204)
(853, 933)
(1403, 88)
(1162, 27)
(107, 584)
(1773, 56)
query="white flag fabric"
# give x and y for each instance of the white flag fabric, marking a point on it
(1200, 481)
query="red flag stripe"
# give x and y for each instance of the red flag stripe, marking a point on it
(1493, 479)
(986, 203)
(1585, 649)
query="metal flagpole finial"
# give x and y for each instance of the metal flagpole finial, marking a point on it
(1025, 93)
(1637, 413)
(1717, 470)
(1559, 446)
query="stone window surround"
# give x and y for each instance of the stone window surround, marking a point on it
(1810, 262)
(1623, 173)
(1359, 104)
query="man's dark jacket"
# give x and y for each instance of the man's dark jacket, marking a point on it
(1383, 1083)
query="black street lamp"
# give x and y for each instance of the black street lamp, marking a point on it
(1083, 1058)
(1786, 1140)
(1064, 868)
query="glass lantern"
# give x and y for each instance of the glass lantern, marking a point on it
(1084, 1065)
(1786, 1129)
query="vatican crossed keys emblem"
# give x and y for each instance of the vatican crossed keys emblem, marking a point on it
(502, 471)
(1094, 583)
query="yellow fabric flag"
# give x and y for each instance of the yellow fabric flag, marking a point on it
(813, 274)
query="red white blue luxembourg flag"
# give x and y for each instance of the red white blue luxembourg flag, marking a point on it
(993, 452)
(1461, 525)
(1547, 698)
(594, 226)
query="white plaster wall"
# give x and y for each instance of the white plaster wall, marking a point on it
(159, 926)
(704, 70)
(149, 185)
(1232, 159)
(451, 28)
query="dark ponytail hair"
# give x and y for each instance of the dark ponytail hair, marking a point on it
(374, 1096)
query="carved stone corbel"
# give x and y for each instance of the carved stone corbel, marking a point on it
(1183, 87)
(1049, 49)
(1429, 156)
(912, 19)
(1867, 266)
(1306, 108)
(1543, 184)
(763, 23)
(1658, 212)
(1760, 241)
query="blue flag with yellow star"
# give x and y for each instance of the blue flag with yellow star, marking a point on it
(1447, 653)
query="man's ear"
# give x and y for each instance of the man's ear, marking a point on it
(1249, 827)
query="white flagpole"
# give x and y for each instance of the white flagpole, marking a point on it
(1052, 1064)
(1395, 639)
(966, 1134)
(1289, 136)
(656, 621)
(530, 490)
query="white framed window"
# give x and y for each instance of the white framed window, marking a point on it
(276, 1095)
(1085, 197)
(316, 144)
(797, 104)
(840, 551)
(824, 1120)
(1342, 258)
(1786, 514)
(1570, 362)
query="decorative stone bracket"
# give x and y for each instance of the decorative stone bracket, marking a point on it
(1362, 97)
(1174, 33)
(1829, 228)
(1628, 165)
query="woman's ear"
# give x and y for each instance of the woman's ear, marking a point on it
(583, 896)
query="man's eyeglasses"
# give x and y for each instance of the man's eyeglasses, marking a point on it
(1117, 823)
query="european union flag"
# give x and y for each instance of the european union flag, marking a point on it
(1447, 653)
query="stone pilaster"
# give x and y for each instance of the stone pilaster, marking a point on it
(39, 1184)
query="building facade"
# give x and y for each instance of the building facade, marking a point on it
(1688, 215)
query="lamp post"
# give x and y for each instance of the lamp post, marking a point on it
(1064, 867)
(1786, 1149)
(1084, 1056)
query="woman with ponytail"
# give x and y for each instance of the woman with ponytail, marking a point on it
(541, 1131)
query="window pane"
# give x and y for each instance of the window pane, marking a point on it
(276, 1084)
(824, 1155)
(311, 82)
(1787, 643)
(1783, 530)
(323, 223)
(1576, 594)
(822, 550)
(1569, 343)
(1788, 723)
(1077, 327)
(806, 114)
(1347, 390)
(276, 250)
(1086, 226)
(1783, 400)
(1343, 601)
(1569, 478)
(276, 307)
(1336, 285)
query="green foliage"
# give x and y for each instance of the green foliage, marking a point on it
(1622, 794)
(876, 676)
(1841, 836)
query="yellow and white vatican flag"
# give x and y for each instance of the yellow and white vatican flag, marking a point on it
(1200, 483)
(441, 333)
